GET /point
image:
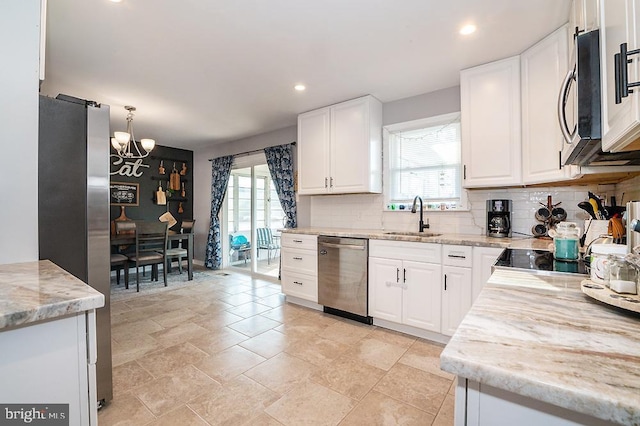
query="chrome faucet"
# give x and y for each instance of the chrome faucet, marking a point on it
(422, 225)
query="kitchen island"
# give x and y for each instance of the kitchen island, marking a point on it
(534, 349)
(48, 341)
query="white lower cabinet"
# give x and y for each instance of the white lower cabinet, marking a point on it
(483, 260)
(405, 291)
(456, 297)
(299, 257)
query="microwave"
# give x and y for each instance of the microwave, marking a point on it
(579, 103)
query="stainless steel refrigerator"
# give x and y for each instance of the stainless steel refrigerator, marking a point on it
(73, 204)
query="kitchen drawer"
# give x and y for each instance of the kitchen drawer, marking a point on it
(457, 255)
(300, 260)
(405, 250)
(304, 286)
(299, 241)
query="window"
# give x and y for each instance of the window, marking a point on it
(424, 159)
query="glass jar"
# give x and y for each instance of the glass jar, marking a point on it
(565, 241)
(623, 276)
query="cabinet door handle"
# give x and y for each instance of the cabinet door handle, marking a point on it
(325, 182)
(331, 182)
(621, 72)
(297, 258)
(404, 275)
(464, 172)
(445, 282)
(297, 282)
(397, 275)
(559, 160)
(457, 256)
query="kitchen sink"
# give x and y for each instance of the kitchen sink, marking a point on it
(412, 234)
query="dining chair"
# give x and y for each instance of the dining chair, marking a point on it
(151, 247)
(180, 252)
(266, 242)
(118, 262)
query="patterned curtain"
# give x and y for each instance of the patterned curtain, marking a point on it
(280, 162)
(220, 171)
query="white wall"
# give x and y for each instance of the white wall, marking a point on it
(19, 44)
(202, 177)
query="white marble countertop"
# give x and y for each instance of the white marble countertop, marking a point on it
(425, 237)
(541, 337)
(35, 291)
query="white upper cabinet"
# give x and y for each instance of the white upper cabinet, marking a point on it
(340, 148)
(543, 68)
(584, 15)
(621, 122)
(491, 124)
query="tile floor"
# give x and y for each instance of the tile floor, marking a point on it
(231, 351)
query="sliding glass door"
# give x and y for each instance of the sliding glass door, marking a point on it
(253, 218)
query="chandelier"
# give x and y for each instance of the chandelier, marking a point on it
(125, 143)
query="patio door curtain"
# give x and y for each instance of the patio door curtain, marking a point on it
(280, 162)
(220, 172)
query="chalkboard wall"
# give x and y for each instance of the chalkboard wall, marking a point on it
(145, 174)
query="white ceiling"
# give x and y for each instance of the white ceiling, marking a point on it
(210, 71)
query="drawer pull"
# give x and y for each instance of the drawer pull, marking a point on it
(458, 256)
(296, 282)
(297, 258)
(445, 282)
(297, 241)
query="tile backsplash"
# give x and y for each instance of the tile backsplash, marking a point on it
(365, 211)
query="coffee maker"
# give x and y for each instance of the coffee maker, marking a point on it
(499, 218)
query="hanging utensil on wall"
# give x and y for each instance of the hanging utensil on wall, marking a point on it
(183, 171)
(183, 193)
(161, 197)
(180, 208)
(174, 180)
(161, 168)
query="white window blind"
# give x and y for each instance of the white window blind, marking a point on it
(426, 162)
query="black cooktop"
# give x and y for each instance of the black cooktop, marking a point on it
(538, 261)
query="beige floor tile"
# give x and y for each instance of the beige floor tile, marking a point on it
(226, 365)
(263, 291)
(254, 325)
(126, 332)
(347, 332)
(285, 312)
(393, 337)
(281, 372)
(216, 320)
(172, 390)
(445, 415)
(179, 334)
(377, 409)
(452, 388)
(173, 318)
(267, 344)
(148, 300)
(182, 416)
(236, 288)
(377, 353)
(273, 301)
(349, 377)
(237, 299)
(425, 356)
(126, 410)
(250, 309)
(263, 420)
(166, 360)
(303, 326)
(205, 305)
(128, 376)
(140, 314)
(316, 350)
(131, 350)
(239, 401)
(423, 390)
(119, 307)
(218, 340)
(311, 404)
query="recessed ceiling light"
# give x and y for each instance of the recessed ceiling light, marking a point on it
(300, 87)
(468, 29)
(116, 1)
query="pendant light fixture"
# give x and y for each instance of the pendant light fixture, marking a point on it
(125, 143)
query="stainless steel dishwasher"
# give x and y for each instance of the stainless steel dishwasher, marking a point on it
(342, 276)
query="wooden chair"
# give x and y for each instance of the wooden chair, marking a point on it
(180, 252)
(266, 242)
(151, 247)
(118, 262)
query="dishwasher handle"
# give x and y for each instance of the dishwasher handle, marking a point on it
(342, 246)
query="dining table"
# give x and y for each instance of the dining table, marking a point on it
(130, 239)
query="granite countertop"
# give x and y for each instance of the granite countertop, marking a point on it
(541, 337)
(426, 237)
(35, 291)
